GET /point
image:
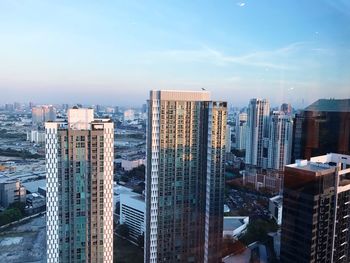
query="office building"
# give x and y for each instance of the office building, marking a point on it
(79, 164)
(264, 180)
(42, 114)
(321, 128)
(316, 214)
(184, 177)
(241, 131)
(132, 213)
(258, 132)
(11, 191)
(280, 140)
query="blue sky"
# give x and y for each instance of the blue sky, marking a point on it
(115, 52)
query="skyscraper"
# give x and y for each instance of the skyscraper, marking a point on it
(184, 177)
(258, 132)
(315, 220)
(228, 139)
(321, 128)
(286, 108)
(280, 140)
(241, 131)
(79, 164)
(42, 114)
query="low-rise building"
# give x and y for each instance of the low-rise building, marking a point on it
(35, 203)
(263, 179)
(132, 213)
(12, 191)
(36, 136)
(128, 165)
(275, 208)
(235, 225)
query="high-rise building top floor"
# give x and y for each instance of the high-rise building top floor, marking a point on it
(321, 163)
(176, 95)
(330, 105)
(321, 128)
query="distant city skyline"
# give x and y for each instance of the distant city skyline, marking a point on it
(114, 53)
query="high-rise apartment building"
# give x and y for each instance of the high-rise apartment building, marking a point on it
(79, 164)
(316, 214)
(321, 128)
(280, 140)
(241, 131)
(258, 132)
(184, 177)
(42, 114)
(286, 108)
(228, 139)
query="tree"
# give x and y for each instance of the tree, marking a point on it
(257, 230)
(10, 215)
(18, 205)
(137, 172)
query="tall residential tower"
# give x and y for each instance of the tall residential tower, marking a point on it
(184, 177)
(280, 140)
(258, 132)
(79, 164)
(241, 131)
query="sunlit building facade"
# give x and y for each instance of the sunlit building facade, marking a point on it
(241, 131)
(184, 177)
(280, 140)
(79, 164)
(42, 114)
(258, 133)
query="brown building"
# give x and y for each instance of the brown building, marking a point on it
(316, 210)
(321, 128)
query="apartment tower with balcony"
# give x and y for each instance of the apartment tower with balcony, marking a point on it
(184, 177)
(258, 133)
(79, 164)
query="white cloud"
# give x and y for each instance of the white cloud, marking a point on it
(241, 4)
(278, 59)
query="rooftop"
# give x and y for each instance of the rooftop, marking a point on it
(331, 105)
(323, 162)
(232, 222)
(180, 95)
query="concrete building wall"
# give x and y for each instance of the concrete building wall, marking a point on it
(132, 213)
(11, 192)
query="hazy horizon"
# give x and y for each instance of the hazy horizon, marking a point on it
(113, 53)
